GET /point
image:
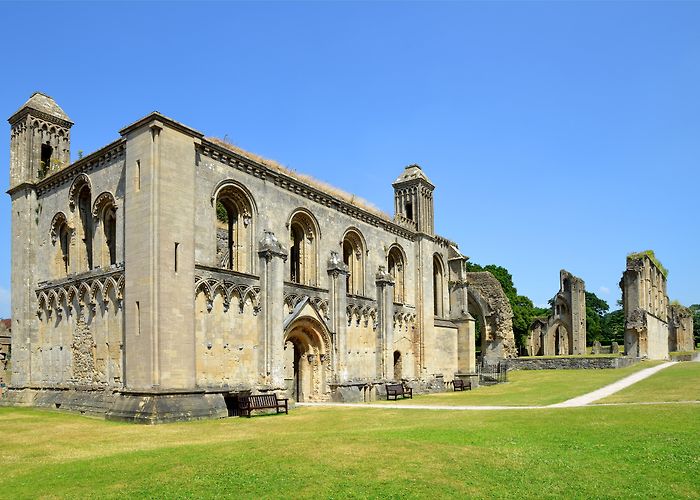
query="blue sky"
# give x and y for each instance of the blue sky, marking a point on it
(559, 135)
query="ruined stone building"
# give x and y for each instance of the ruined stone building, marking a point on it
(646, 308)
(162, 274)
(564, 331)
(680, 328)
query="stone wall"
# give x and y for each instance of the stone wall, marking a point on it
(489, 303)
(561, 363)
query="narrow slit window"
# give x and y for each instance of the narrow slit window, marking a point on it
(138, 175)
(177, 247)
(138, 318)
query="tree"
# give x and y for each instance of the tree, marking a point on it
(596, 308)
(524, 311)
(695, 308)
(613, 327)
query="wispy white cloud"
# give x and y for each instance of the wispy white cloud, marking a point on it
(604, 290)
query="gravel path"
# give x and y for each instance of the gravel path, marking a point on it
(578, 401)
(606, 391)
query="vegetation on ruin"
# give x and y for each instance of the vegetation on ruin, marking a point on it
(531, 388)
(652, 256)
(524, 311)
(221, 213)
(680, 382)
(593, 452)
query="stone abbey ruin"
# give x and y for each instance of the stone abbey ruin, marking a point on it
(162, 275)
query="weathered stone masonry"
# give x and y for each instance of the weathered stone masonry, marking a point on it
(159, 276)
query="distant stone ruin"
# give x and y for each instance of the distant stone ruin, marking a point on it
(680, 328)
(646, 307)
(564, 331)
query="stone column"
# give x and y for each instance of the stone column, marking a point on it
(24, 282)
(466, 324)
(337, 289)
(385, 328)
(272, 258)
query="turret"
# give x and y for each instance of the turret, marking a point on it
(413, 200)
(39, 140)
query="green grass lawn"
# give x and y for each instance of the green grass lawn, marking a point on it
(593, 452)
(531, 387)
(680, 382)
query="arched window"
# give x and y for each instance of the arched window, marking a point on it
(104, 212)
(354, 258)
(303, 244)
(109, 223)
(396, 267)
(234, 229)
(61, 238)
(438, 287)
(85, 214)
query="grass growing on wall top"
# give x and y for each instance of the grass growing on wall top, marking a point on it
(652, 256)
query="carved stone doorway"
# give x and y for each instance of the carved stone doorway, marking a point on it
(307, 361)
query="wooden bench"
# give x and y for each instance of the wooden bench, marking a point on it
(246, 404)
(397, 390)
(459, 385)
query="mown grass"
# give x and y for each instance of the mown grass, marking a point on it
(531, 388)
(680, 382)
(593, 452)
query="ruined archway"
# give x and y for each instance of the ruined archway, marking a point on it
(489, 305)
(558, 341)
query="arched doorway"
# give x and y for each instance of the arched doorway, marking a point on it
(307, 360)
(397, 365)
(558, 339)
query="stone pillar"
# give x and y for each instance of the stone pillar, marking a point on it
(337, 288)
(466, 324)
(385, 327)
(159, 213)
(272, 258)
(23, 279)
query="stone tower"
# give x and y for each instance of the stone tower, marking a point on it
(39, 144)
(413, 208)
(573, 288)
(39, 140)
(413, 199)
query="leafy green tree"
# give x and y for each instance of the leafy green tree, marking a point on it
(524, 311)
(596, 308)
(613, 327)
(696, 322)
